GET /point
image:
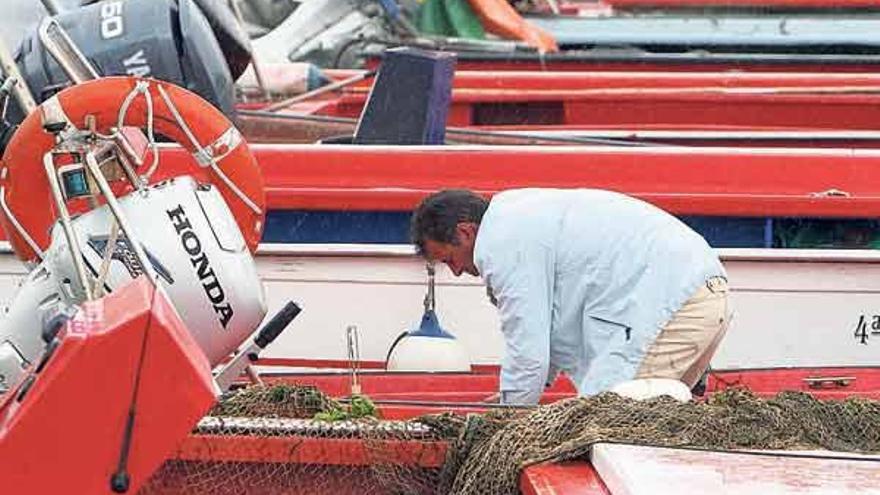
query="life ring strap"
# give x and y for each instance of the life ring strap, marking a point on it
(205, 155)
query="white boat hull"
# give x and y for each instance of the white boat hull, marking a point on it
(792, 308)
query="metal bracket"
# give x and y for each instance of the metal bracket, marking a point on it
(65, 52)
(817, 382)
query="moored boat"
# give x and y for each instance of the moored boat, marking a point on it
(310, 430)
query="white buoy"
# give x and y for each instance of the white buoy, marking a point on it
(648, 388)
(428, 348)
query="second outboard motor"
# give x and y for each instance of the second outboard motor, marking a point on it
(165, 39)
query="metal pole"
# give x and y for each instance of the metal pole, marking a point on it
(320, 91)
(64, 218)
(22, 94)
(51, 7)
(430, 300)
(455, 131)
(65, 52)
(448, 404)
(113, 204)
(354, 357)
(258, 71)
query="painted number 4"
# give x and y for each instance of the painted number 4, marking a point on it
(862, 328)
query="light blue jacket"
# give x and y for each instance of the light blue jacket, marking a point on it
(584, 281)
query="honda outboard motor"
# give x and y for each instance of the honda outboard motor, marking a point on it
(123, 211)
(171, 40)
(194, 247)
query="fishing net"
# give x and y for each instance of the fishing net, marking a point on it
(483, 453)
(289, 439)
(489, 458)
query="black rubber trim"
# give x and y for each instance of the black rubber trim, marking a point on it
(25, 387)
(50, 350)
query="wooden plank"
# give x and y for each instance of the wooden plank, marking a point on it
(685, 181)
(310, 450)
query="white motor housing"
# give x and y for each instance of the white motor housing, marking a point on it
(193, 244)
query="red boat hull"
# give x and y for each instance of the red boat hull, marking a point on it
(64, 434)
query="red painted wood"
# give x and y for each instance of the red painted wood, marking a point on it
(339, 385)
(345, 364)
(565, 478)
(409, 395)
(401, 412)
(263, 478)
(575, 63)
(290, 465)
(446, 387)
(320, 363)
(503, 82)
(866, 381)
(695, 181)
(635, 99)
(65, 434)
(452, 396)
(309, 450)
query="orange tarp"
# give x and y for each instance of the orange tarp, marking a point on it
(498, 17)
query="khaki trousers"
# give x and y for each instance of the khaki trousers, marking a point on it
(686, 344)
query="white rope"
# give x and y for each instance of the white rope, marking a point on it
(141, 87)
(204, 156)
(109, 249)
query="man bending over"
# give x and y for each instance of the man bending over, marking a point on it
(602, 286)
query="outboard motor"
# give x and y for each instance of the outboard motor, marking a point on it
(193, 245)
(329, 33)
(190, 227)
(143, 280)
(171, 40)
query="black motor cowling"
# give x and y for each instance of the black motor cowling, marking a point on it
(172, 40)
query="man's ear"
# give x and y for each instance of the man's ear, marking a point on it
(467, 231)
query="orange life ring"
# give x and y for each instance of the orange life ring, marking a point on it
(25, 196)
